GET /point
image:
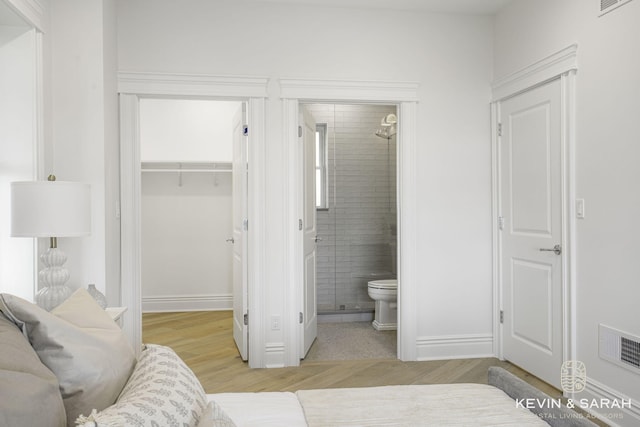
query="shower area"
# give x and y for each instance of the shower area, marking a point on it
(356, 206)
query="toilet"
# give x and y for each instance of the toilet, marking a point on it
(385, 294)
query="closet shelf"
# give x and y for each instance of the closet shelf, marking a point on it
(212, 167)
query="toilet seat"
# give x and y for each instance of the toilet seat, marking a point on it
(391, 284)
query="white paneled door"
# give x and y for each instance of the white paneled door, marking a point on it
(239, 240)
(530, 135)
(309, 315)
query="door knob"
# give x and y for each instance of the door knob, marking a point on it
(557, 249)
(231, 240)
(318, 239)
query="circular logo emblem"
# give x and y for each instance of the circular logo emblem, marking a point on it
(573, 376)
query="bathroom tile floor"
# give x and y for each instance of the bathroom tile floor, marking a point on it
(352, 340)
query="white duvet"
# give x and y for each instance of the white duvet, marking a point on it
(402, 405)
(269, 409)
(415, 405)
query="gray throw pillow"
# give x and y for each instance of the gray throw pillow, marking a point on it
(80, 343)
(25, 383)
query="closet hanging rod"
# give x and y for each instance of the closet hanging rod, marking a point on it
(187, 170)
(186, 166)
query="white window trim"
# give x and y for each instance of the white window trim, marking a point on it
(324, 173)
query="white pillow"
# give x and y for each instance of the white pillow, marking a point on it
(82, 346)
(162, 391)
(214, 416)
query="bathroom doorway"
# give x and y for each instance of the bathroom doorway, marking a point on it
(356, 213)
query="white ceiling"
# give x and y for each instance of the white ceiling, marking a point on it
(473, 7)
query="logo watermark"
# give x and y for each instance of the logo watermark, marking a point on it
(573, 376)
(573, 379)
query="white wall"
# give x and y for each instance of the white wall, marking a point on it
(186, 263)
(17, 152)
(186, 217)
(607, 150)
(83, 142)
(186, 130)
(451, 57)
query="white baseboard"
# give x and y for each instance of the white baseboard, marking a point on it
(170, 303)
(454, 347)
(347, 317)
(274, 355)
(618, 417)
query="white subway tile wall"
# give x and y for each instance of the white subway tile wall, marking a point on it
(359, 227)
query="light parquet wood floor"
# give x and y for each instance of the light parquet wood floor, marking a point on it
(205, 341)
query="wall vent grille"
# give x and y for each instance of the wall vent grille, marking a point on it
(606, 6)
(630, 352)
(620, 348)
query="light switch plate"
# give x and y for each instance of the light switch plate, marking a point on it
(580, 208)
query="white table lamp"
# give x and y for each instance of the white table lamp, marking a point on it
(51, 209)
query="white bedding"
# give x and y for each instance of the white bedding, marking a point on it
(401, 405)
(415, 405)
(277, 409)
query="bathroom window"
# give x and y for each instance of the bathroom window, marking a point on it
(321, 166)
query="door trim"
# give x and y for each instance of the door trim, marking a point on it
(560, 65)
(131, 88)
(405, 96)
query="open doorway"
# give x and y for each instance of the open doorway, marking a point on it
(193, 205)
(351, 229)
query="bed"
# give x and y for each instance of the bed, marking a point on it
(77, 365)
(498, 403)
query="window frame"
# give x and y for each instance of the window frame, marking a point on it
(322, 166)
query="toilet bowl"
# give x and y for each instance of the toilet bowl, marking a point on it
(385, 295)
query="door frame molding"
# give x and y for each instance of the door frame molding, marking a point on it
(405, 96)
(133, 86)
(561, 65)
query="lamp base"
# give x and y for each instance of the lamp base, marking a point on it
(52, 296)
(53, 279)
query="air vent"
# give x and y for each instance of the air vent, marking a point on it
(630, 352)
(620, 348)
(607, 6)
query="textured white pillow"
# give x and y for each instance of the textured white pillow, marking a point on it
(162, 391)
(82, 346)
(214, 416)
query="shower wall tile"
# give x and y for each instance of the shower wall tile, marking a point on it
(356, 228)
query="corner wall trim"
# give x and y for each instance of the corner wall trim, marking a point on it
(31, 10)
(454, 347)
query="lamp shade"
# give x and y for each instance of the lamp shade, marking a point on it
(50, 209)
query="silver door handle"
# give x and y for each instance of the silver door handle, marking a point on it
(231, 240)
(318, 239)
(557, 249)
